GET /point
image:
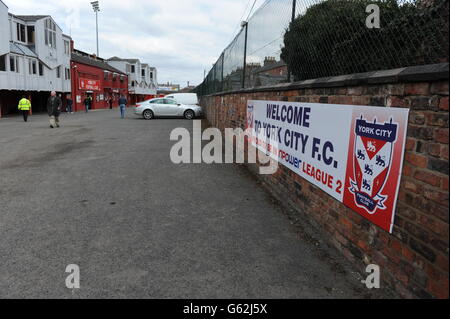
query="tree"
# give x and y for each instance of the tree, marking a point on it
(331, 38)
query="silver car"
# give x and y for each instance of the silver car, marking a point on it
(164, 107)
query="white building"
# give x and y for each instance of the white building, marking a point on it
(34, 60)
(142, 78)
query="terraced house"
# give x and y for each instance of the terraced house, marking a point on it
(34, 60)
(142, 78)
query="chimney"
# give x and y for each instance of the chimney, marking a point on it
(269, 60)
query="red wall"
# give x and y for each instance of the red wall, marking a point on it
(106, 87)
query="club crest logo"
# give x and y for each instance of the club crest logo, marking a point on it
(250, 117)
(374, 144)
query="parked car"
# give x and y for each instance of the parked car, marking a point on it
(184, 98)
(164, 107)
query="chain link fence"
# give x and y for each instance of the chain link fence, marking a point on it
(295, 40)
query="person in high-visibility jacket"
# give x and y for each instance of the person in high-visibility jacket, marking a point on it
(25, 107)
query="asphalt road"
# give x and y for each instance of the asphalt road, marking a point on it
(102, 193)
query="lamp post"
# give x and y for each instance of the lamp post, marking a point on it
(96, 7)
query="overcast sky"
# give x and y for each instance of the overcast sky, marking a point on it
(179, 37)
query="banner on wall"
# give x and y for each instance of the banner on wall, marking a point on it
(90, 85)
(353, 153)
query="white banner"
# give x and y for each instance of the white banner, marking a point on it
(353, 153)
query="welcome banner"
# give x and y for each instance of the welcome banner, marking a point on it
(353, 153)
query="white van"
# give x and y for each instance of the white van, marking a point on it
(184, 98)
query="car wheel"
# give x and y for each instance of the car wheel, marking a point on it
(148, 114)
(189, 115)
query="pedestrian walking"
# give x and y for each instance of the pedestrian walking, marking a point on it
(110, 101)
(87, 103)
(69, 104)
(24, 107)
(123, 104)
(54, 109)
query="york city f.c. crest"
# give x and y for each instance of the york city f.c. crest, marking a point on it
(373, 150)
(250, 117)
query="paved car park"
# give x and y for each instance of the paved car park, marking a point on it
(102, 193)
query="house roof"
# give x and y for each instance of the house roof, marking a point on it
(272, 66)
(95, 63)
(114, 58)
(131, 60)
(31, 18)
(21, 49)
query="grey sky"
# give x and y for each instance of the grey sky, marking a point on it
(179, 37)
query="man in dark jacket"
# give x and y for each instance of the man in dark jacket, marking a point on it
(88, 103)
(69, 104)
(122, 104)
(54, 104)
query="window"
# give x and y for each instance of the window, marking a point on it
(30, 34)
(132, 83)
(21, 32)
(67, 47)
(41, 69)
(58, 72)
(151, 75)
(171, 102)
(33, 66)
(105, 75)
(133, 69)
(14, 64)
(143, 72)
(3, 63)
(67, 74)
(160, 101)
(50, 33)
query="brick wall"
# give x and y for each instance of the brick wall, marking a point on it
(415, 258)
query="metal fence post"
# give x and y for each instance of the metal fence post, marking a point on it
(294, 9)
(245, 24)
(214, 78)
(223, 63)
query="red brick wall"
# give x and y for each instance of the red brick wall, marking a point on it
(415, 258)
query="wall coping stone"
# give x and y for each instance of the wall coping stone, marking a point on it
(421, 73)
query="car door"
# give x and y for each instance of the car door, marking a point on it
(158, 107)
(172, 108)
